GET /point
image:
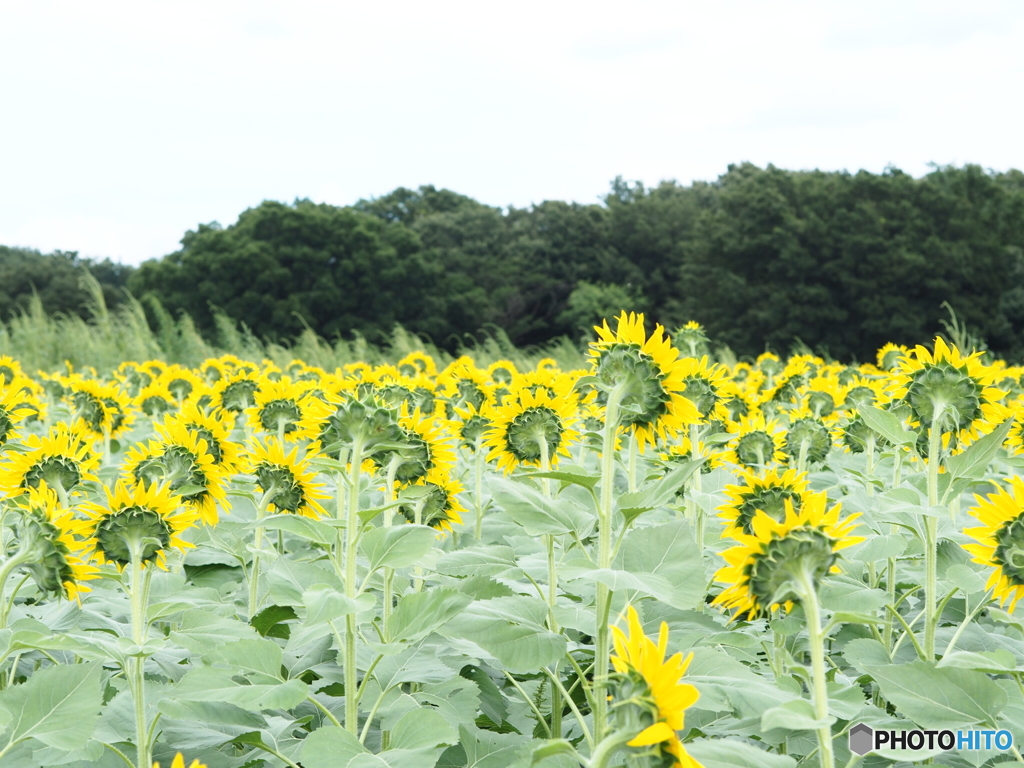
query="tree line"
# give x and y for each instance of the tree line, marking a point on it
(763, 257)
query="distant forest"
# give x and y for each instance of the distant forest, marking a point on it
(763, 257)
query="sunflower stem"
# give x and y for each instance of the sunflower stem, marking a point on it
(23, 555)
(351, 540)
(136, 664)
(602, 650)
(890, 571)
(816, 646)
(257, 542)
(549, 546)
(478, 483)
(389, 573)
(696, 487)
(607, 747)
(931, 535)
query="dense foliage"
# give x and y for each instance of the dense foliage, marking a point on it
(650, 562)
(763, 257)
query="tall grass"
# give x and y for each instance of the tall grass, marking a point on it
(42, 342)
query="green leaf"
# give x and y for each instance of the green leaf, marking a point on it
(888, 425)
(208, 684)
(303, 527)
(397, 547)
(510, 630)
(272, 621)
(965, 578)
(974, 461)
(796, 715)
(200, 630)
(494, 560)
(669, 552)
(260, 659)
(865, 652)
(485, 749)
(537, 514)
(330, 748)
(325, 603)
(422, 728)
(570, 474)
(420, 613)
(733, 753)
(58, 706)
(851, 596)
(659, 493)
(993, 662)
(876, 548)
(940, 698)
(201, 725)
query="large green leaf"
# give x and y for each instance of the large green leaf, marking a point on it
(325, 603)
(420, 613)
(974, 461)
(940, 698)
(733, 753)
(301, 526)
(422, 728)
(658, 493)
(260, 659)
(396, 547)
(58, 706)
(510, 629)
(330, 748)
(887, 424)
(208, 684)
(538, 514)
(668, 552)
(494, 560)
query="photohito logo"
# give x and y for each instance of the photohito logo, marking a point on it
(864, 738)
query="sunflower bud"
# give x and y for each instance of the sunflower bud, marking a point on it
(120, 532)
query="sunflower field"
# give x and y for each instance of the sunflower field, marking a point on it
(657, 560)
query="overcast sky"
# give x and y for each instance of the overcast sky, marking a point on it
(124, 124)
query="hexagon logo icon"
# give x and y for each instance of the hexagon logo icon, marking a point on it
(862, 739)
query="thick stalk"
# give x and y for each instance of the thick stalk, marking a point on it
(478, 488)
(931, 535)
(20, 557)
(549, 545)
(137, 664)
(602, 651)
(389, 573)
(696, 487)
(890, 570)
(816, 646)
(257, 542)
(351, 540)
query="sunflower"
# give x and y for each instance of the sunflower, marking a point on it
(502, 372)
(287, 478)
(764, 570)
(889, 356)
(945, 389)
(155, 399)
(1001, 540)
(58, 561)
(416, 363)
(692, 340)
(63, 459)
(183, 384)
(435, 501)
(213, 427)
(146, 519)
(646, 374)
(235, 391)
(179, 762)
(279, 409)
(757, 442)
(182, 461)
(703, 386)
(531, 427)
(425, 446)
(16, 404)
(103, 410)
(649, 695)
(768, 493)
(10, 369)
(808, 439)
(473, 424)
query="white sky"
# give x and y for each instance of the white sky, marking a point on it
(124, 124)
